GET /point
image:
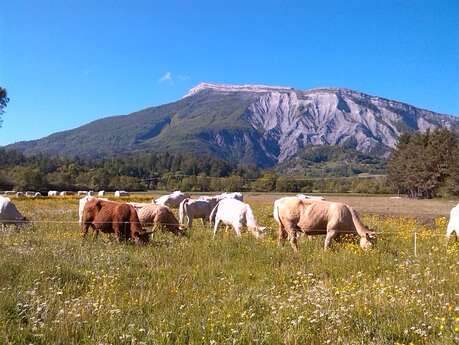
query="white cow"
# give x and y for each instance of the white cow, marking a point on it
(453, 225)
(120, 193)
(310, 197)
(191, 209)
(237, 214)
(10, 192)
(235, 195)
(66, 193)
(20, 194)
(82, 203)
(9, 214)
(172, 200)
(82, 192)
(52, 193)
(101, 193)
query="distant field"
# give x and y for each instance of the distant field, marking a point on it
(57, 289)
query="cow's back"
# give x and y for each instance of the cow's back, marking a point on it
(230, 210)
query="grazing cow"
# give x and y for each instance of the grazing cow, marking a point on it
(81, 205)
(172, 200)
(101, 193)
(52, 193)
(139, 205)
(237, 214)
(235, 195)
(120, 193)
(453, 224)
(66, 193)
(20, 194)
(9, 214)
(160, 216)
(195, 209)
(315, 217)
(82, 192)
(310, 197)
(10, 192)
(113, 217)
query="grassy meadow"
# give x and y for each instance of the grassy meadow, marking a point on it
(56, 288)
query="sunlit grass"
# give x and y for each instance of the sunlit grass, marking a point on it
(57, 289)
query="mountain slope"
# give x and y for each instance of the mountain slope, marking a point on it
(254, 124)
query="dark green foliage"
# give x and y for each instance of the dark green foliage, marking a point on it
(161, 171)
(425, 165)
(328, 160)
(3, 102)
(137, 172)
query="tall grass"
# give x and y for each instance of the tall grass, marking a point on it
(56, 288)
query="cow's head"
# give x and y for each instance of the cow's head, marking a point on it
(368, 241)
(182, 230)
(143, 238)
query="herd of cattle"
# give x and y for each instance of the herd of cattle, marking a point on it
(33, 195)
(310, 215)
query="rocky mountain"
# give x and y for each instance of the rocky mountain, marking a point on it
(256, 124)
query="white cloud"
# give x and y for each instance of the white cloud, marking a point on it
(167, 77)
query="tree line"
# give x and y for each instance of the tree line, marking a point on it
(425, 165)
(421, 166)
(161, 171)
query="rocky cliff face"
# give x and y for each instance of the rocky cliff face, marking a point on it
(295, 119)
(255, 124)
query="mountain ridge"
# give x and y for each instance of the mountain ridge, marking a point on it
(258, 124)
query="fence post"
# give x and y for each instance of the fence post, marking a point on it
(415, 240)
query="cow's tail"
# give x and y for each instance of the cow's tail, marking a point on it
(182, 210)
(213, 214)
(361, 229)
(276, 212)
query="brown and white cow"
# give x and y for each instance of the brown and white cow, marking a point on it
(113, 217)
(315, 217)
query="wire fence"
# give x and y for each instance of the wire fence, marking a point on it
(415, 233)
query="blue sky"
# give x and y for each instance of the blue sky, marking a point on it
(65, 63)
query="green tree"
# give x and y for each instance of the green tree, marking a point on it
(3, 102)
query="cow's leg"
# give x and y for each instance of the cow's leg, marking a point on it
(330, 234)
(96, 233)
(293, 240)
(190, 222)
(84, 229)
(118, 230)
(237, 228)
(216, 226)
(283, 235)
(292, 233)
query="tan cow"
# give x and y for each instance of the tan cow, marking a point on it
(160, 216)
(315, 217)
